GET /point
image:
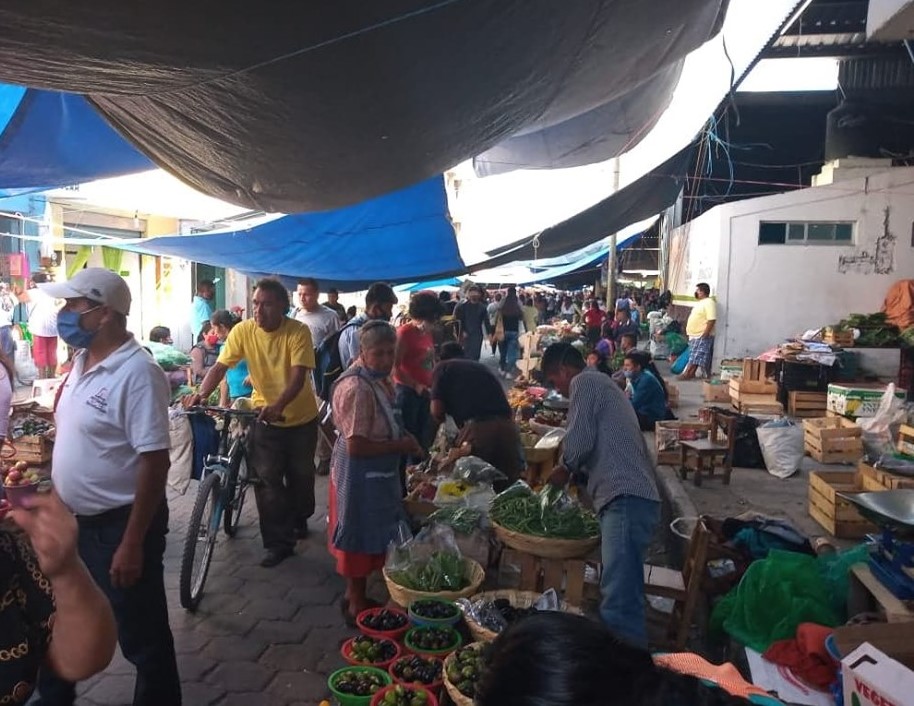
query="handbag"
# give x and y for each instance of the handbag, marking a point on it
(499, 329)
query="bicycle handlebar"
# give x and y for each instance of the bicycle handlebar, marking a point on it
(224, 411)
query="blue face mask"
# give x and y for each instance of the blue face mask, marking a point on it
(629, 374)
(71, 332)
(375, 374)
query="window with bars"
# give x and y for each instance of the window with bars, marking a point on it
(806, 233)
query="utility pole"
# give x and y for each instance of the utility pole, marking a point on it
(611, 295)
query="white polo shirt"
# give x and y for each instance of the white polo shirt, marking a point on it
(106, 417)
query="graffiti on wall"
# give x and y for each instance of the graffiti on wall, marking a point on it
(880, 262)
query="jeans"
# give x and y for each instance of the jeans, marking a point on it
(509, 351)
(283, 459)
(141, 612)
(628, 524)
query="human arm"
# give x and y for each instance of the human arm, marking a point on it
(297, 377)
(581, 436)
(360, 446)
(709, 329)
(127, 563)
(224, 399)
(210, 383)
(711, 317)
(438, 393)
(83, 632)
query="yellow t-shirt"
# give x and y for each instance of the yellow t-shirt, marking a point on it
(703, 312)
(271, 355)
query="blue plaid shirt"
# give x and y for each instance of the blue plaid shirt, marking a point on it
(604, 443)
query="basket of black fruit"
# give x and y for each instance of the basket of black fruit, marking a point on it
(462, 671)
(384, 623)
(428, 612)
(432, 641)
(489, 613)
(418, 670)
(401, 695)
(370, 651)
(355, 686)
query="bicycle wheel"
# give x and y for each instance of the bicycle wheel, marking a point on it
(200, 541)
(236, 489)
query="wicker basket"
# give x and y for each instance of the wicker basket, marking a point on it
(546, 547)
(404, 596)
(519, 599)
(457, 698)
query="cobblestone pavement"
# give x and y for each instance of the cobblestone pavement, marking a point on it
(260, 636)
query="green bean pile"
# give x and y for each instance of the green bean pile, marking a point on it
(527, 514)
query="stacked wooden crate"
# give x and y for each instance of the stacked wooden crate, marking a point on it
(837, 515)
(806, 405)
(753, 391)
(833, 440)
(872, 479)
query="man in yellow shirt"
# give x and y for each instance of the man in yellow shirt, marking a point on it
(700, 330)
(280, 357)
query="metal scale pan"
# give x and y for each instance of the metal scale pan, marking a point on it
(889, 509)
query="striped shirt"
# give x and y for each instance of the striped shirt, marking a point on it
(604, 442)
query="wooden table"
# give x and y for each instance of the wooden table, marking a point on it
(866, 590)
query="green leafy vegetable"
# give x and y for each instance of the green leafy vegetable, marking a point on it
(442, 571)
(461, 519)
(548, 514)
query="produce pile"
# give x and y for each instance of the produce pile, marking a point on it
(460, 518)
(19, 474)
(442, 571)
(369, 650)
(400, 695)
(875, 331)
(509, 614)
(548, 513)
(434, 610)
(465, 668)
(357, 683)
(385, 621)
(432, 639)
(416, 669)
(30, 426)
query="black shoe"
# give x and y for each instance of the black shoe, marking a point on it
(275, 556)
(323, 468)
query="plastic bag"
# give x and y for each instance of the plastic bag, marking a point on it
(430, 562)
(475, 471)
(782, 447)
(489, 614)
(879, 431)
(551, 439)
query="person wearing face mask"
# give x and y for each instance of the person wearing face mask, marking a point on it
(110, 464)
(365, 499)
(645, 389)
(205, 352)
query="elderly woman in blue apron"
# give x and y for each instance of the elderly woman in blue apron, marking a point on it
(366, 504)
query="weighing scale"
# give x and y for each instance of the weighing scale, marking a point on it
(892, 550)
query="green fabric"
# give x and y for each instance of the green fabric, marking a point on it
(79, 260)
(775, 595)
(112, 258)
(677, 343)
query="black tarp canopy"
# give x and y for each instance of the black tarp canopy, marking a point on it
(303, 106)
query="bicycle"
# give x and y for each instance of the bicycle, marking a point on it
(224, 483)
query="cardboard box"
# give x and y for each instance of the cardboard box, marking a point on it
(719, 392)
(872, 678)
(857, 399)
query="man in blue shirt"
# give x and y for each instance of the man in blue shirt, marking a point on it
(646, 392)
(605, 446)
(202, 308)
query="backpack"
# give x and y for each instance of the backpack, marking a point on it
(328, 363)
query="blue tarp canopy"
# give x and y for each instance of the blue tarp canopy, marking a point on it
(447, 282)
(50, 139)
(401, 237)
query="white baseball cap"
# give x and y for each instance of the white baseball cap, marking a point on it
(95, 283)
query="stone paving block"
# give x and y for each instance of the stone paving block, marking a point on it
(215, 625)
(275, 632)
(112, 690)
(223, 584)
(248, 698)
(319, 616)
(292, 687)
(224, 603)
(200, 694)
(325, 594)
(195, 666)
(189, 642)
(270, 609)
(240, 676)
(232, 648)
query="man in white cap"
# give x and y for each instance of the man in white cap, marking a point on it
(110, 465)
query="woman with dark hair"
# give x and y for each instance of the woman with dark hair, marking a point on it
(237, 381)
(508, 319)
(648, 391)
(205, 352)
(559, 659)
(413, 365)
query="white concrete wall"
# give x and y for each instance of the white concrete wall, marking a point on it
(771, 292)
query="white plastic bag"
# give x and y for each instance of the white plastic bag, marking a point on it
(551, 439)
(782, 447)
(879, 430)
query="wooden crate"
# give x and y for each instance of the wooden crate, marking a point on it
(668, 435)
(833, 440)
(874, 479)
(906, 440)
(32, 449)
(837, 516)
(715, 393)
(804, 405)
(672, 392)
(759, 396)
(841, 339)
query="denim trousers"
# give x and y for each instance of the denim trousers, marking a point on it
(628, 524)
(510, 349)
(141, 612)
